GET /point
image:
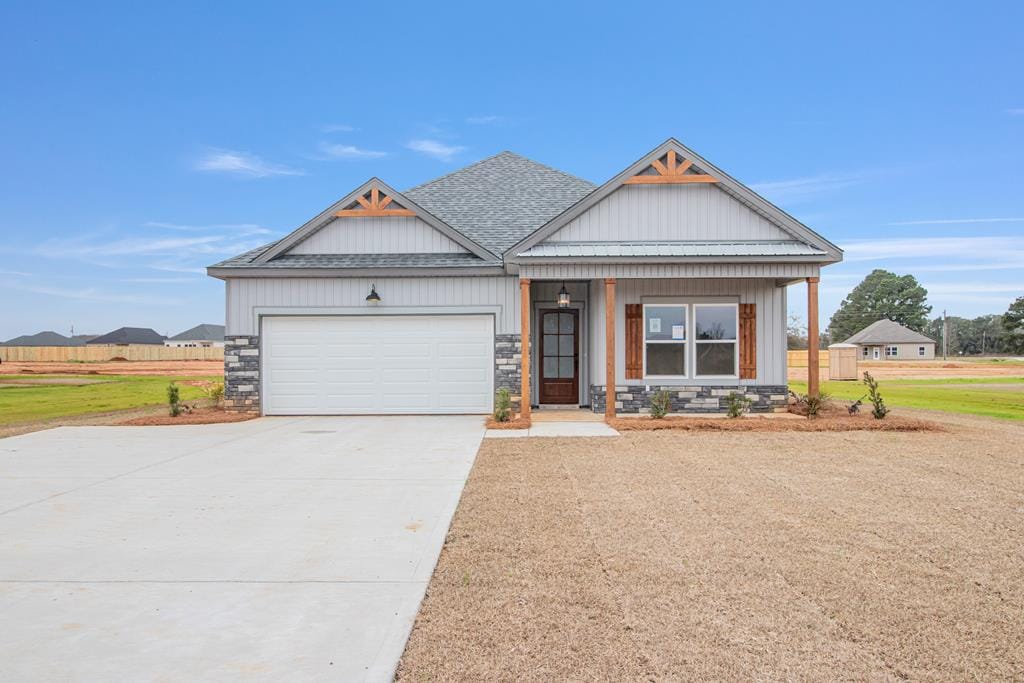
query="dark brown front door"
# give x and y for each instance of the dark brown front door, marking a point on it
(559, 356)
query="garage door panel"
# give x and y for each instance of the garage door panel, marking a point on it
(378, 364)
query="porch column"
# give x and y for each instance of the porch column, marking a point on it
(524, 307)
(609, 346)
(812, 336)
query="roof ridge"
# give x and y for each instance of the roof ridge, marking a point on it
(504, 152)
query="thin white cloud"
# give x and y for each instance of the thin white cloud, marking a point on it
(242, 164)
(435, 149)
(977, 248)
(333, 151)
(958, 221)
(241, 228)
(799, 189)
(484, 120)
(15, 273)
(975, 288)
(1015, 111)
(158, 280)
(338, 128)
(93, 294)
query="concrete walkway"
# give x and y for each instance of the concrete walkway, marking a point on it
(276, 549)
(571, 428)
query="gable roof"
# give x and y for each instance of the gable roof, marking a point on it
(888, 332)
(47, 338)
(725, 182)
(129, 335)
(204, 332)
(329, 214)
(501, 199)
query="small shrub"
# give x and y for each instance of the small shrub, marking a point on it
(214, 391)
(811, 406)
(502, 406)
(173, 399)
(736, 404)
(661, 404)
(878, 409)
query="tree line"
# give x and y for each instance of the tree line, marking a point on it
(901, 298)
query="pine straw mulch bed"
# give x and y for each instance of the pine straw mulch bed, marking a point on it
(833, 422)
(199, 416)
(515, 423)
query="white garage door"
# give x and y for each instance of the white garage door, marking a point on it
(337, 365)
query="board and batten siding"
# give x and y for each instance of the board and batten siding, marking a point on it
(771, 323)
(246, 296)
(377, 235)
(669, 213)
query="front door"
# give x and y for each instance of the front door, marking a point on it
(876, 353)
(559, 356)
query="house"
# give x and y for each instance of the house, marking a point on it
(888, 340)
(204, 335)
(671, 275)
(123, 336)
(47, 338)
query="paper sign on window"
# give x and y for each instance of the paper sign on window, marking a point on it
(679, 332)
(655, 324)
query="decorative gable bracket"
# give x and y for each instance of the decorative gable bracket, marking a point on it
(373, 203)
(669, 172)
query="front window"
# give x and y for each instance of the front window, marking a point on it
(715, 336)
(866, 350)
(678, 337)
(665, 340)
(891, 351)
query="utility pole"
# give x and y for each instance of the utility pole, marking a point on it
(945, 335)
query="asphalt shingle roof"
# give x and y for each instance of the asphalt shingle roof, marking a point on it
(888, 332)
(500, 200)
(204, 332)
(129, 335)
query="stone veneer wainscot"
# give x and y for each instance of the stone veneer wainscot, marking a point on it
(242, 374)
(692, 399)
(508, 365)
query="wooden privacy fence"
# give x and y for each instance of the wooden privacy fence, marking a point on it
(798, 359)
(104, 352)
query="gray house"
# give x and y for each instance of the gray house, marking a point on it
(205, 335)
(129, 335)
(670, 275)
(888, 340)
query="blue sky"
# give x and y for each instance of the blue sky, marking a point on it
(143, 141)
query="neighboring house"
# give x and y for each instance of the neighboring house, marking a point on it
(129, 335)
(47, 338)
(670, 275)
(198, 336)
(888, 340)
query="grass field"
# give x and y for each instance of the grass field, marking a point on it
(104, 393)
(992, 396)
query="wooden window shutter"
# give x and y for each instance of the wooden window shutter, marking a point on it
(634, 341)
(748, 341)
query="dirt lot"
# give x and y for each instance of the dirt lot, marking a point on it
(192, 368)
(734, 556)
(925, 369)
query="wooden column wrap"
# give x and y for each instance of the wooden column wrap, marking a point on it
(748, 341)
(609, 331)
(813, 383)
(634, 341)
(524, 307)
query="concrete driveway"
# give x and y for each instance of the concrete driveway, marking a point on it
(277, 549)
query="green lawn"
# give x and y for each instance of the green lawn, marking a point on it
(113, 392)
(1002, 397)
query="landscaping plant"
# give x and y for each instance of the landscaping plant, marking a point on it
(174, 399)
(502, 406)
(878, 409)
(661, 404)
(736, 404)
(214, 391)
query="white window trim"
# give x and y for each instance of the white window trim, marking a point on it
(895, 351)
(685, 343)
(735, 342)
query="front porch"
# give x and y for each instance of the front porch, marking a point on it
(698, 338)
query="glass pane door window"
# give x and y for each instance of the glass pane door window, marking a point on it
(559, 345)
(716, 334)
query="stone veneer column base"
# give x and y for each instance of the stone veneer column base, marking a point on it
(692, 399)
(508, 366)
(242, 374)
